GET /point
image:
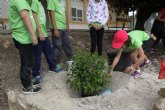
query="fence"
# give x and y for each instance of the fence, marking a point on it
(76, 10)
(3, 13)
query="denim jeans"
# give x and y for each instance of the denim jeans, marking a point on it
(45, 47)
(26, 52)
(96, 39)
(60, 43)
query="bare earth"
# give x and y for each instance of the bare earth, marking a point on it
(10, 64)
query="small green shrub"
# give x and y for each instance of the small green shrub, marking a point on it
(89, 74)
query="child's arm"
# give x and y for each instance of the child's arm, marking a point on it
(116, 60)
(141, 57)
(42, 37)
(26, 19)
(106, 14)
(88, 14)
(56, 32)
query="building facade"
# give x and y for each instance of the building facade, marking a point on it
(76, 10)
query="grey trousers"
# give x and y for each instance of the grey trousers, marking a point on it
(61, 43)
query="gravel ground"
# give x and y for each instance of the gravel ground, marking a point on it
(9, 63)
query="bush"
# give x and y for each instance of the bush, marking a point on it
(89, 74)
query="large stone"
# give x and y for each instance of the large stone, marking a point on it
(128, 93)
(160, 104)
(161, 92)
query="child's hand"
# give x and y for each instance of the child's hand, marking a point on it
(56, 33)
(99, 27)
(34, 40)
(68, 29)
(128, 69)
(94, 26)
(110, 74)
(42, 38)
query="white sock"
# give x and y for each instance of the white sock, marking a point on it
(147, 61)
(138, 69)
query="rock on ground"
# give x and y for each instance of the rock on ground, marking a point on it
(129, 93)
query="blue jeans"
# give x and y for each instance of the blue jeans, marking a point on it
(60, 43)
(45, 47)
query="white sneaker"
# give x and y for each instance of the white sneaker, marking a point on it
(69, 64)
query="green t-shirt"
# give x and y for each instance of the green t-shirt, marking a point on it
(58, 6)
(39, 10)
(19, 31)
(137, 37)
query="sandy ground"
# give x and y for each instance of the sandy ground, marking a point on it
(128, 93)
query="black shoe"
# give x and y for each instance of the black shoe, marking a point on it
(153, 50)
(37, 80)
(31, 90)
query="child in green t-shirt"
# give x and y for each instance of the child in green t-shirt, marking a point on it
(59, 27)
(131, 41)
(43, 41)
(23, 32)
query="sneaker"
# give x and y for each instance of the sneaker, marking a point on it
(69, 64)
(58, 69)
(153, 50)
(31, 89)
(37, 80)
(136, 73)
(145, 63)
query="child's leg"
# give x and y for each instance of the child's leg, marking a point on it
(100, 40)
(66, 44)
(47, 50)
(57, 47)
(93, 35)
(37, 56)
(27, 61)
(134, 55)
(145, 58)
(146, 62)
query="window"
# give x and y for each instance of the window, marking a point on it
(79, 15)
(76, 15)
